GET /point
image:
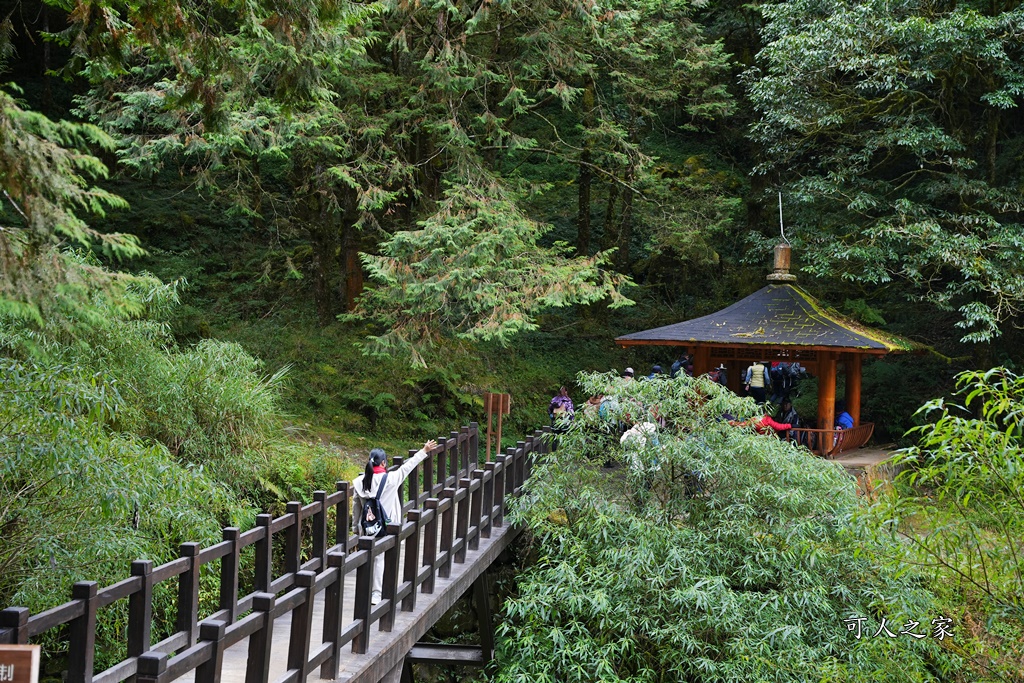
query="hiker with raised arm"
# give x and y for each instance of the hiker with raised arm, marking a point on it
(376, 502)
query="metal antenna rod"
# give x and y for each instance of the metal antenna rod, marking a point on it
(782, 228)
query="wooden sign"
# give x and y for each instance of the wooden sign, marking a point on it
(19, 664)
(496, 404)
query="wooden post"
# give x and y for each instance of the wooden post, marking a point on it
(453, 457)
(228, 575)
(482, 597)
(476, 509)
(257, 669)
(464, 451)
(442, 462)
(140, 609)
(498, 510)
(702, 361)
(510, 472)
(82, 632)
(334, 601)
(302, 627)
(497, 444)
(264, 555)
(734, 370)
(474, 444)
(396, 463)
(520, 465)
(853, 376)
(430, 544)
(209, 671)
(826, 394)
(389, 587)
(462, 522)
(15, 621)
(364, 588)
(414, 483)
(188, 594)
(342, 521)
(293, 539)
(488, 499)
(428, 475)
(488, 400)
(447, 533)
(151, 665)
(412, 560)
(320, 529)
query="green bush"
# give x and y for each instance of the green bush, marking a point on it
(743, 572)
(117, 444)
(958, 508)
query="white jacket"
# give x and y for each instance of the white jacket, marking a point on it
(638, 443)
(389, 497)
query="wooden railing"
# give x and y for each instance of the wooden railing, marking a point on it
(451, 494)
(831, 442)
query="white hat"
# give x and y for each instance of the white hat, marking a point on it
(629, 371)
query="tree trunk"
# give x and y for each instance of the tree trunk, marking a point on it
(585, 176)
(583, 210)
(622, 260)
(992, 151)
(351, 282)
(323, 232)
(609, 236)
(47, 90)
(323, 262)
(755, 208)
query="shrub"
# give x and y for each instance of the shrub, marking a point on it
(716, 555)
(958, 508)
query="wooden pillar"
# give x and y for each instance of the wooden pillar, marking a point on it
(826, 389)
(734, 370)
(853, 367)
(702, 361)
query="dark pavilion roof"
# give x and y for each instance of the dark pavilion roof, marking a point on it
(776, 315)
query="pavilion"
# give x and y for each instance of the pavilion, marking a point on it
(783, 322)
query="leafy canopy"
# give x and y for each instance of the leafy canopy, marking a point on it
(46, 171)
(887, 123)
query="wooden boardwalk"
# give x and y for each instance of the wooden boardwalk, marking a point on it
(386, 650)
(309, 613)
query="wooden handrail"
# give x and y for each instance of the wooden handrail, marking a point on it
(451, 489)
(832, 442)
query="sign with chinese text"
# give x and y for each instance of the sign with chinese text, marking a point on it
(19, 663)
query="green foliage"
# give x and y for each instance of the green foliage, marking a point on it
(958, 506)
(81, 498)
(341, 123)
(749, 578)
(117, 444)
(476, 267)
(45, 175)
(886, 121)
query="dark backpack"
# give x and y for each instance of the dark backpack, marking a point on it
(374, 520)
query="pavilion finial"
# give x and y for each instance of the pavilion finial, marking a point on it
(783, 254)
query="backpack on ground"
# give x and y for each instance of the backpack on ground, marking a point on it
(373, 519)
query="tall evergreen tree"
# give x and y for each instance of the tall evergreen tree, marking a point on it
(893, 125)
